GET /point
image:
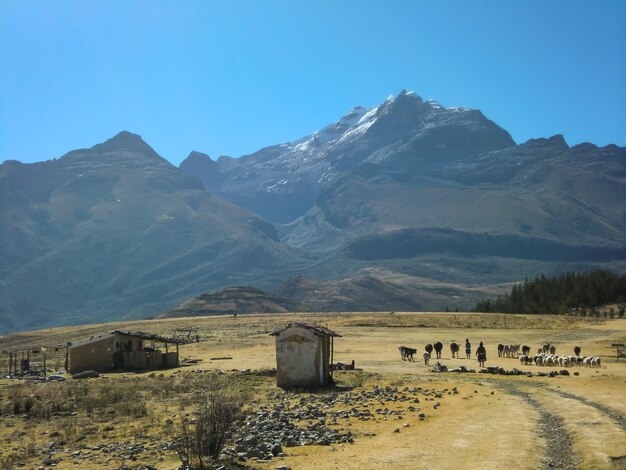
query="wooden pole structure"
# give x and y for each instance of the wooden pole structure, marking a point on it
(10, 363)
(67, 357)
(44, 362)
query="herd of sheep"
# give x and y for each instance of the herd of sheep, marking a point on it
(546, 356)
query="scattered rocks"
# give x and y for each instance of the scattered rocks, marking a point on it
(288, 420)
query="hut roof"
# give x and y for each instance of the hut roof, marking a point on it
(313, 327)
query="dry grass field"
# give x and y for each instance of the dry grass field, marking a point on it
(472, 420)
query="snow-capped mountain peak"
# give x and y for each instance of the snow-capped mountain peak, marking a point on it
(404, 131)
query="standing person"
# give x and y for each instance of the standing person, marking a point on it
(468, 349)
(481, 354)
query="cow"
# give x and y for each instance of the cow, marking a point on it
(429, 348)
(500, 349)
(526, 350)
(552, 350)
(407, 353)
(577, 350)
(410, 352)
(454, 349)
(438, 347)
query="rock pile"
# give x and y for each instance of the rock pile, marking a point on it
(265, 433)
(514, 371)
(496, 370)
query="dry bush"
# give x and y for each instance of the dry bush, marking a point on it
(220, 406)
(15, 459)
(122, 398)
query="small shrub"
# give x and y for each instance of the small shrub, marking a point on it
(219, 408)
(69, 430)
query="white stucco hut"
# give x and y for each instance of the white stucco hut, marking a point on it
(304, 354)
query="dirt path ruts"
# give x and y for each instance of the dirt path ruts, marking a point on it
(558, 441)
(605, 410)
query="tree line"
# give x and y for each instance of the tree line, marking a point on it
(568, 293)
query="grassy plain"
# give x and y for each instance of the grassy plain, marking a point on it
(131, 419)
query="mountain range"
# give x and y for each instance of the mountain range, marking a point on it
(409, 205)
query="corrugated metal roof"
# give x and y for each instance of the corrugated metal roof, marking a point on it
(92, 339)
(150, 336)
(133, 334)
(313, 327)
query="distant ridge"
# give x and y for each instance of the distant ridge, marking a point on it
(238, 299)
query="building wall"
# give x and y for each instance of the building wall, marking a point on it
(96, 355)
(299, 359)
(171, 359)
(325, 342)
(142, 360)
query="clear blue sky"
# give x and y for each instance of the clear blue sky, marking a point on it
(231, 77)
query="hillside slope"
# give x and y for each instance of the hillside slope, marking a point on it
(115, 230)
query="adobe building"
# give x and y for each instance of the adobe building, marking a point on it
(304, 354)
(123, 350)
